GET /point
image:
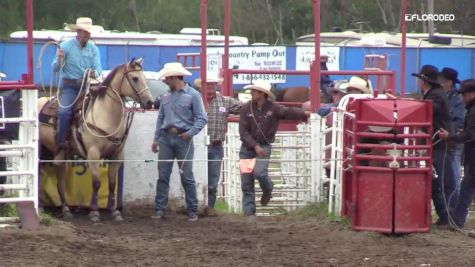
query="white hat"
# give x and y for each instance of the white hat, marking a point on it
(379, 129)
(173, 69)
(198, 81)
(82, 23)
(245, 96)
(360, 84)
(262, 86)
(340, 86)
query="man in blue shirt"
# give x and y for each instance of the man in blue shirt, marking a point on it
(76, 59)
(448, 79)
(180, 117)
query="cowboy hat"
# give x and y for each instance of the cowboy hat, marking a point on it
(360, 84)
(449, 74)
(82, 23)
(428, 73)
(467, 86)
(340, 86)
(245, 96)
(173, 69)
(218, 81)
(261, 86)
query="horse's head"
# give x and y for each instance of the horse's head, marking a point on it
(134, 83)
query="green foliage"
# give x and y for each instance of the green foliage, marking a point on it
(270, 21)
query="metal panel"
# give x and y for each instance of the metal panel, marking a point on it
(373, 195)
(412, 201)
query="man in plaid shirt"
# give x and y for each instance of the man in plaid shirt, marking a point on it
(219, 109)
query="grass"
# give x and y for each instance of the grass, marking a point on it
(46, 219)
(222, 206)
(320, 211)
(9, 210)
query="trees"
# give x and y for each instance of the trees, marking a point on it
(270, 21)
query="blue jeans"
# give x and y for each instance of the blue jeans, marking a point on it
(66, 97)
(260, 173)
(173, 147)
(444, 188)
(467, 192)
(215, 158)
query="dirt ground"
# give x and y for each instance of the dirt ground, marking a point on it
(227, 240)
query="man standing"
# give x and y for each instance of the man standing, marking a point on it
(180, 117)
(258, 124)
(219, 109)
(467, 137)
(76, 59)
(444, 185)
(448, 78)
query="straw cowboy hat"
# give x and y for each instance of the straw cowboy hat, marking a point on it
(82, 23)
(197, 81)
(428, 73)
(262, 86)
(360, 84)
(340, 86)
(173, 69)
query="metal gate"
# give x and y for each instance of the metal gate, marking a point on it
(295, 167)
(22, 155)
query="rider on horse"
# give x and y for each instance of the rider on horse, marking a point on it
(77, 59)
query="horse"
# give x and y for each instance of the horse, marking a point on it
(293, 94)
(100, 131)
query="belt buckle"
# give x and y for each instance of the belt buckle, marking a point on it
(172, 131)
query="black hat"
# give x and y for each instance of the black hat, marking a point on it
(429, 74)
(467, 86)
(449, 74)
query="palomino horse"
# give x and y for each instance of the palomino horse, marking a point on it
(101, 131)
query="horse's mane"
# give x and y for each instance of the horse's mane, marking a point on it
(108, 80)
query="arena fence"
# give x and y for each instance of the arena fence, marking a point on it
(22, 175)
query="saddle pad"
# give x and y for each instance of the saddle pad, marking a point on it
(49, 110)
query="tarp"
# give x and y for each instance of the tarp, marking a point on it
(9, 108)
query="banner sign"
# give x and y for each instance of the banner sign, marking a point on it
(306, 54)
(250, 58)
(78, 185)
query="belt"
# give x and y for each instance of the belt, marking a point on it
(175, 130)
(217, 143)
(72, 82)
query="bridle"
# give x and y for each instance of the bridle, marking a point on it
(137, 92)
(130, 115)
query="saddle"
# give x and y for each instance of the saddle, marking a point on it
(49, 113)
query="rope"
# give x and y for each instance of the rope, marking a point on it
(40, 68)
(172, 160)
(118, 126)
(84, 79)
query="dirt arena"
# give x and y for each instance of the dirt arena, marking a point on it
(228, 240)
